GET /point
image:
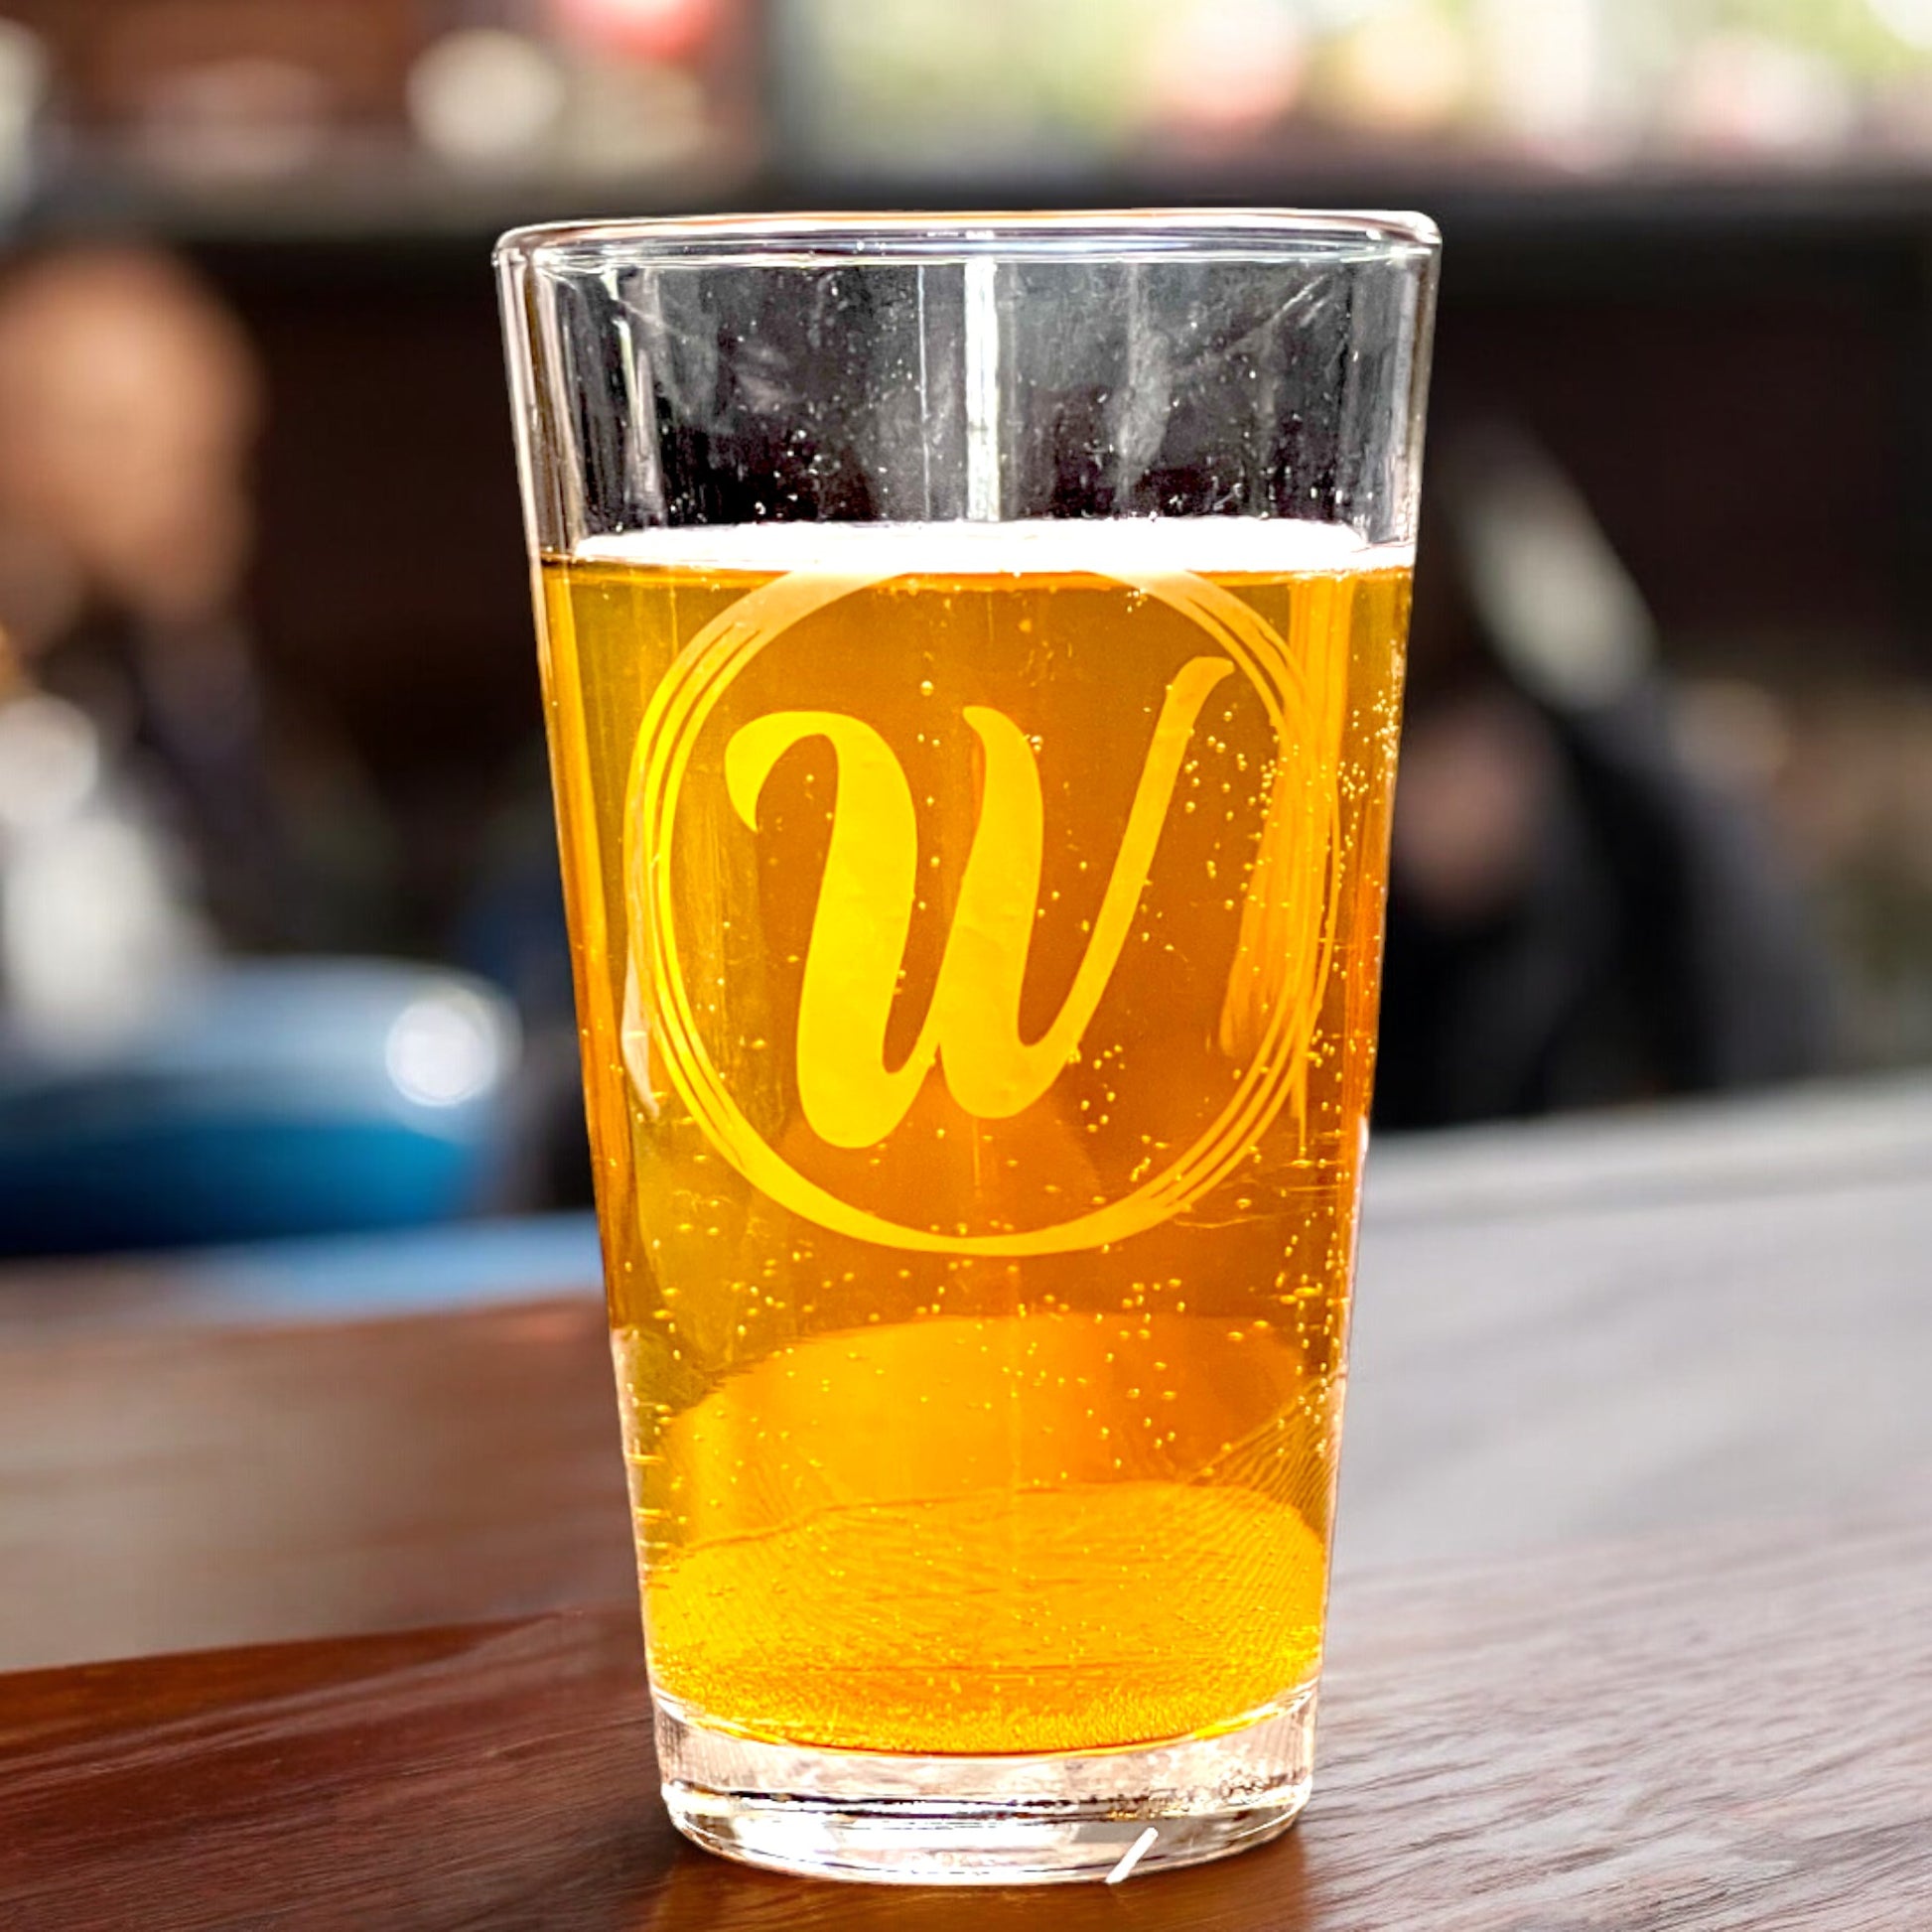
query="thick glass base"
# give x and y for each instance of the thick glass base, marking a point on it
(987, 1821)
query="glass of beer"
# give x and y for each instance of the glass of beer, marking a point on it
(973, 651)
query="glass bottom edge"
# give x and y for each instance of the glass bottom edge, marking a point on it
(899, 1819)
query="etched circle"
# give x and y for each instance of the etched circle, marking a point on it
(685, 699)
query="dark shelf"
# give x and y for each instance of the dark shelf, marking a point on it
(393, 195)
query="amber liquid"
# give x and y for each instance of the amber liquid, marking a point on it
(978, 1485)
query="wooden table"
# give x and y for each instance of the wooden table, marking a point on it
(1633, 1624)
(1695, 1736)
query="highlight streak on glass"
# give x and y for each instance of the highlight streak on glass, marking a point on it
(1132, 1856)
(982, 391)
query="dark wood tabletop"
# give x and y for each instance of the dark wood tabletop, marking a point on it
(1729, 1735)
(1623, 1638)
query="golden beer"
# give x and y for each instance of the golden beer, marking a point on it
(977, 937)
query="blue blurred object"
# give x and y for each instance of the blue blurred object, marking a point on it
(263, 1099)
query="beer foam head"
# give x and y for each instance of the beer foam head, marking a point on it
(1106, 546)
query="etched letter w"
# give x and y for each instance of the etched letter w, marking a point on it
(850, 1096)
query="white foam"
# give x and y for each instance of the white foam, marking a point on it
(1271, 546)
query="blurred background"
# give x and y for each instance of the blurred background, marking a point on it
(280, 941)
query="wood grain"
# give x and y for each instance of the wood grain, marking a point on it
(166, 1488)
(1610, 1370)
(1729, 1739)
(1689, 1316)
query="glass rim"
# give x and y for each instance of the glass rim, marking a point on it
(828, 240)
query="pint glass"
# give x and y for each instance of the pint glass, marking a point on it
(973, 653)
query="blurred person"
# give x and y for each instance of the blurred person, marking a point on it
(155, 813)
(97, 925)
(1576, 916)
(130, 402)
